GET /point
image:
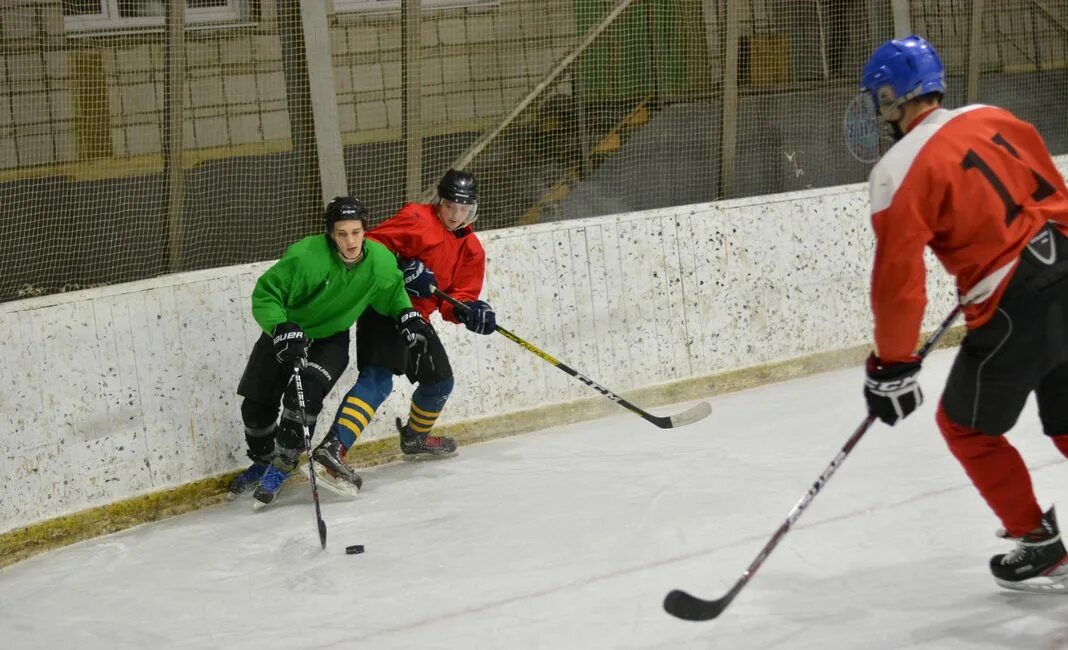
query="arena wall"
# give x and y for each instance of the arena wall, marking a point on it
(116, 393)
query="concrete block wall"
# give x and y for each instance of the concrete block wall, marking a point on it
(477, 64)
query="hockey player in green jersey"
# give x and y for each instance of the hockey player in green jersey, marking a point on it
(305, 304)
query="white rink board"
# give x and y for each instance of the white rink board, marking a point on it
(115, 392)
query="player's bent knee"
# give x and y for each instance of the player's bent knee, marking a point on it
(438, 389)
(989, 424)
(374, 384)
(257, 415)
(290, 435)
(315, 390)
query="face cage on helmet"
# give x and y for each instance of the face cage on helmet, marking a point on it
(471, 218)
(883, 125)
(885, 110)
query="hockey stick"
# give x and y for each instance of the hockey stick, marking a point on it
(308, 448)
(689, 416)
(682, 605)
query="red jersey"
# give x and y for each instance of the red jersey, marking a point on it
(974, 184)
(456, 258)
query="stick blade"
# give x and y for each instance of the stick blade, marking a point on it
(689, 416)
(682, 605)
(322, 534)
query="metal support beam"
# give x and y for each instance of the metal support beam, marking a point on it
(714, 50)
(1052, 17)
(331, 156)
(488, 136)
(975, 53)
(729, 135)
(412, 97)
(902, 18)
(173, 120)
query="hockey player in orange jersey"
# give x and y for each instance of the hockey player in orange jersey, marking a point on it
(978, 187)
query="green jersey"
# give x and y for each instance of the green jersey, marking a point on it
(312, 287)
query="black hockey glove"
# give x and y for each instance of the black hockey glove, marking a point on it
(891, 389)
(290, 344)
(479, 317)
(414, 330)
(419, 280)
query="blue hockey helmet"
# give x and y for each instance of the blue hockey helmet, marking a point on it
(900, 70)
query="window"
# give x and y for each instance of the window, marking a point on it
(343, 6)
(97, 15)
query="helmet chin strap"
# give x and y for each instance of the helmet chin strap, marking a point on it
(895, 130)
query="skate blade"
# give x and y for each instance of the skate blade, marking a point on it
(427, 457)
(1055, 583)
(329, 483)
(258, 505)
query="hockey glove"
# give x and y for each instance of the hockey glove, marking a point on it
(290, 344)
(419, 280)
(891, 389)
(414, 330)
(479, 317)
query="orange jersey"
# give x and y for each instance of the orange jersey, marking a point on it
(974, 184)
(456, 257)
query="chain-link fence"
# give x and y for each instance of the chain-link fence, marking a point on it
(131, 147)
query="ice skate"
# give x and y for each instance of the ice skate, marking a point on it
(1037, 564)
(422, 446)
(247, 480)
(331, 471)
(273, 479)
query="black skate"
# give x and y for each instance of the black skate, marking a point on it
(331, 471)
(423, 446)
(1038, 563)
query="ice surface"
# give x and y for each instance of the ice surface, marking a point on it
(571, 537)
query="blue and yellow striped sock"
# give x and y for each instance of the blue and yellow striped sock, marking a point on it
(358, 407)
(428, 400)
(421, 421)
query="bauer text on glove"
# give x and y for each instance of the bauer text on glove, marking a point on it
(290, 343)
(413, 329)
(419, 280)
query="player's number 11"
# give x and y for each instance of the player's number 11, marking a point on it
(973, 160)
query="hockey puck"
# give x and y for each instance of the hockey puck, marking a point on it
(355, 549)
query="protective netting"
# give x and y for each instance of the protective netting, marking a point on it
(130, 148)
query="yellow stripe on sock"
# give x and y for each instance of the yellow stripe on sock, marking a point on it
(362, 405)
(426, 414)
(419, 428)
(350, 426)
(412, 417)
(355, 415)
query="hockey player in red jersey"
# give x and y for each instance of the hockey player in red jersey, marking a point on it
(436, 247)
(977, 186)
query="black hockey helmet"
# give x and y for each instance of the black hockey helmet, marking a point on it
(458, 187)
(345, 208)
